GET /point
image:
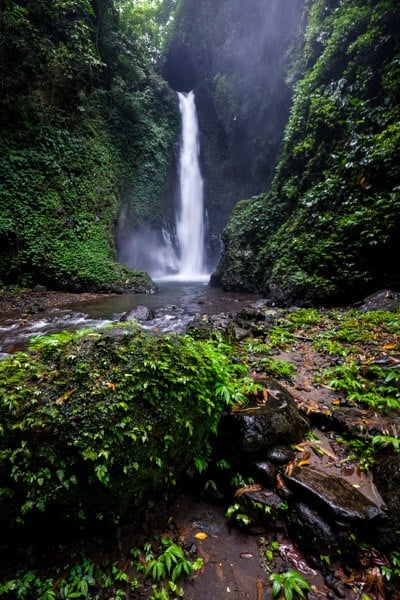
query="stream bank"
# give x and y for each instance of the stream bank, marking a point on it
(236, 574)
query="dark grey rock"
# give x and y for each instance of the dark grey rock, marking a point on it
(252, 430)
(386, 472)
(334, 494)
(263, 472)
(381, 300)
(138, 313)
(280, 455)
(310, 529)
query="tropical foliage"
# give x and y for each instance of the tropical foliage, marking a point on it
(95, 423)
(86, 130)
(328, 230)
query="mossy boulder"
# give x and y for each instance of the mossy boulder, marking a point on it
(95, 424)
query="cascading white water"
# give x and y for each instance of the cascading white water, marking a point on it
(190, 216)
(179, 257)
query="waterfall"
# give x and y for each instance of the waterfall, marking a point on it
(178, 255)
(190, 214)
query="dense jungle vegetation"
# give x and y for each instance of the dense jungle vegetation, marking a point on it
(86, 128)
(97, 426)
(89, 125)
(328, 230)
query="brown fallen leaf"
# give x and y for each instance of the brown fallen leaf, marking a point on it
(259, 586)
(256, 487)
(317, 446)
(65, 396)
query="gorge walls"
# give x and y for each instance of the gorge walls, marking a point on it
(233, 54)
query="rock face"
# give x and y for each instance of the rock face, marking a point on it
(139, 313)
(289, 244)
(232, 54)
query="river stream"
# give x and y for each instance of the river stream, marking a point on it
(174, 305)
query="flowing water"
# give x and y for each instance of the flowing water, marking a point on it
(176, 251)
(174, 305)
(180, 296)
(190, 217)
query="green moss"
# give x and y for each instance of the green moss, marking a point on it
(329, 226)
(94, 424)
(87, 130)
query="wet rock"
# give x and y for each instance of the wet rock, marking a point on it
(203, 326)
(254, 317)
(315, 534)
(263, 472)
(264, 508)
(280, 455)
(351, 420)
(253, 430)
(386, 473)
(333, 494)
(381, 300)
(200, 327)
(138, 313)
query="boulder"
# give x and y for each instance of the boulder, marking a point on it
(252, 430)
(138, 313)
(381, 300)
(333, 495)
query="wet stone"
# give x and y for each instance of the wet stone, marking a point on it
(254, 429)
(280, 455)
(387, 479)
(263, 472)
(264, 508)
(138, 313)
(333, 493)
(312, 532)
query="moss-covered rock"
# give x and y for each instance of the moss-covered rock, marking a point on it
(95, 424)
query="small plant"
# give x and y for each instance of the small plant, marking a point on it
(363, 450)
(329, 346)
(386, 441)
(164, 565)
(304, 317)
(392, 571)
(236, 513)
(279, 368)
(280, 337)
(270, 549)
(79, 580)
(288, 585)
(370, 384)
(325, 559)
